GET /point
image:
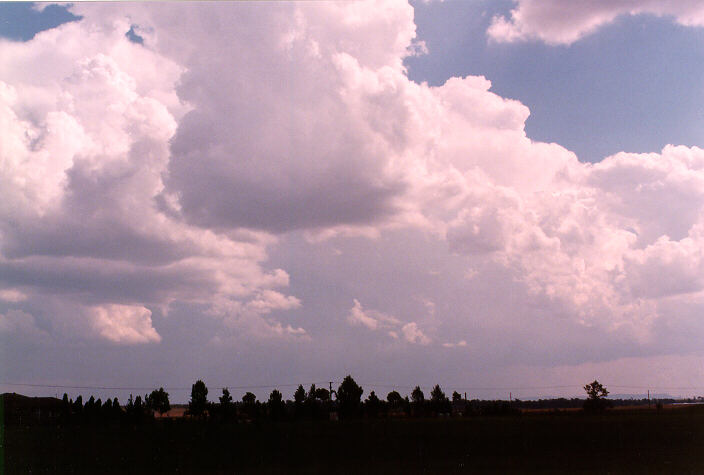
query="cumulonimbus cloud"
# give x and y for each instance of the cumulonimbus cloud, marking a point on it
(136, 176)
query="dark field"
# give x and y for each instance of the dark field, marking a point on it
(636, 441)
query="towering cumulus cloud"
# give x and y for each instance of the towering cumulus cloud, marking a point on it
(139, 176)
(87, 119)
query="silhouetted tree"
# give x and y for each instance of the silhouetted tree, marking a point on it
(299, 398)
(311, 393)
(98, 410)
(116, 409)
(77, 408)
(596, 397)
(394, 399)
(199, 399)
(249, 405)
(418, 401)
(106, 412)
(226, 406)
(65, 409)
(276, 405)
(158, 401)
(417, 395)
(300, 395)
(372, 405)
(249, 398)
(89, 404)
(322, 394)
(456, 396)
(349, 396)
(438, 401)
(139, 409)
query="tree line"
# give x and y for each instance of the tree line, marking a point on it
(316, 403)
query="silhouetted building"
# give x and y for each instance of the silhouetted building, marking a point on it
(21, 409)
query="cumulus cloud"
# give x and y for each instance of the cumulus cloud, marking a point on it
(413, 334)
(392, 326)
(124, 324)
(372, 319)
(357, 316)
(558, 22)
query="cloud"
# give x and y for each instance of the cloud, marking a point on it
(86, 133)
(17, 322)
(372, 319)
(392, 326)
(124, 324)
(358, 317)
(460, 343)
(139, 177)
(413, 334)
(556, 22)
(12, 295)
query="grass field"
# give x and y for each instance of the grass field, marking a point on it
(567, 442)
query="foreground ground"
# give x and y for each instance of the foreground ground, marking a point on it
(615, 442)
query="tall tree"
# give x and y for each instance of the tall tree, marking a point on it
(116, 413)
(299, 399)
(349, 396)
(199, 399)
(226, 406)
(250, 405)
(372, 405)
(438, 400)
(300, 395)
(418, 401)
(417, 395)
(276, 405)
(65, 408)
(78, 407)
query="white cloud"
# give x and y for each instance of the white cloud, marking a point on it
(87, 118)
(460, 343)
(413, 334)
(12, 295)
(143, 176)
(372, 319)
(358, 317)
(124, 324)
(375, 320)
(559, 22)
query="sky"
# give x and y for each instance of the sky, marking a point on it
(496, 196)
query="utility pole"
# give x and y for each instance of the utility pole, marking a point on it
(648, 398)
(331, 391)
